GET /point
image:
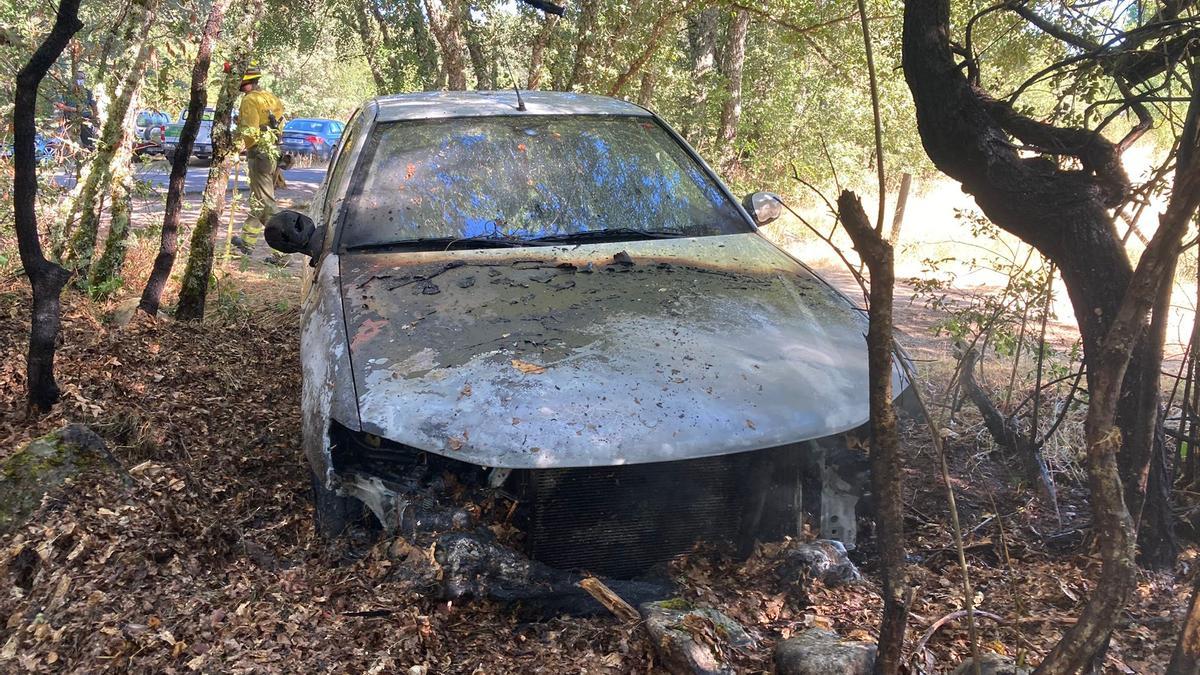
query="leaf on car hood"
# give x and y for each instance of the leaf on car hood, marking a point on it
(527, 367)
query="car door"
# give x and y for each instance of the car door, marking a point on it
(328, 199)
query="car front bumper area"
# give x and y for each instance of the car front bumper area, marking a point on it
(615, 521)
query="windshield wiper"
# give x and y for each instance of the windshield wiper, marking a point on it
(610, 234)
(442, 243)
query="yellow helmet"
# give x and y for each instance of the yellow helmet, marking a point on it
(252, 73)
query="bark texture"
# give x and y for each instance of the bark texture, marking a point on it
(585, 41)
(1186, 658)
(194, 290)
(109, 152)
(46, 278)
(702, 49)
(446, 19)
(169, 244)
(537, 53)
(732, 66)
(886, 467)
(484, 68)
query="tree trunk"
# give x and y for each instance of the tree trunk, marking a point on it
(702, 48)
(105, 274)
(446, 24)
(1186, 659)
(735, 59)
(479, 61)
(83, 240)
(46, 278)
(646, 90)
(901, 203)
(169, 243)
(194, 290)
(886, 468)
(537, 53)
(585, 40)
(1063, 213)
(652, 44)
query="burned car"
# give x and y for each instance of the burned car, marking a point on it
(553, 303)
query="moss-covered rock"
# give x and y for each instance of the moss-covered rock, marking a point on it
(46, 463)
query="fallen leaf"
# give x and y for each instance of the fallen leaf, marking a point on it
(528, 368)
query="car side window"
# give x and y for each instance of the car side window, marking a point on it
(340, 166)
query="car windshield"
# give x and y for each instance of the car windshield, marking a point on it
(310, 126)
(527, 178)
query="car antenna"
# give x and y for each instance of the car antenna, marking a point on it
(520, 102)
(516, 89)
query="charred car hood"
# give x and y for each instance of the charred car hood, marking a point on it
(601, 354)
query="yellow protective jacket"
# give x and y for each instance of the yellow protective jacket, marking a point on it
(253, 114)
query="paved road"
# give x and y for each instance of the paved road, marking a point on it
(158, 172)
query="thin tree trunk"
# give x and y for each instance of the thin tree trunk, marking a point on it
(83, 240)
(446, 24)
(537, 53)
(1186, 659)
(735, 60)
(646, 90)
(194, 290)
(46, 278)
(479, 60)
(901, 203)
(585, 41)
(886, 467)
(652, 44)
(432, 77)
(169, 244)
(702, 47)
(107, 270)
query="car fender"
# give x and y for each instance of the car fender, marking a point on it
(327, 391)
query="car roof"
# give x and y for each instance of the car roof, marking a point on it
(310, 119)
(443, 104)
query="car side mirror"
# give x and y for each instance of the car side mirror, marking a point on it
(764, 207)
(293, 232)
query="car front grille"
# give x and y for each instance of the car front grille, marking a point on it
(621, 521)
(618, 521)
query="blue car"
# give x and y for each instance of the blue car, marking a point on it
(310, 137)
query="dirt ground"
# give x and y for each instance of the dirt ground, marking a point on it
(197, 553)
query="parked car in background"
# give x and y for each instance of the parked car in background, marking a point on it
(203, 147)
(311, 137)
(149, 131)
(45, 148)
(558, 304)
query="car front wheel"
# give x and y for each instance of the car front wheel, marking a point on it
(334, 514)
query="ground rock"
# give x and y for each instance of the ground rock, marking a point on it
(46, 463)
(823, 559)
(817, 651)
(693, 641)
(992, 664)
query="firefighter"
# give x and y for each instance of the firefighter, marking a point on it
(77, 106)
(260, 118)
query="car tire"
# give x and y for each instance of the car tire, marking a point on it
(334, 514)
